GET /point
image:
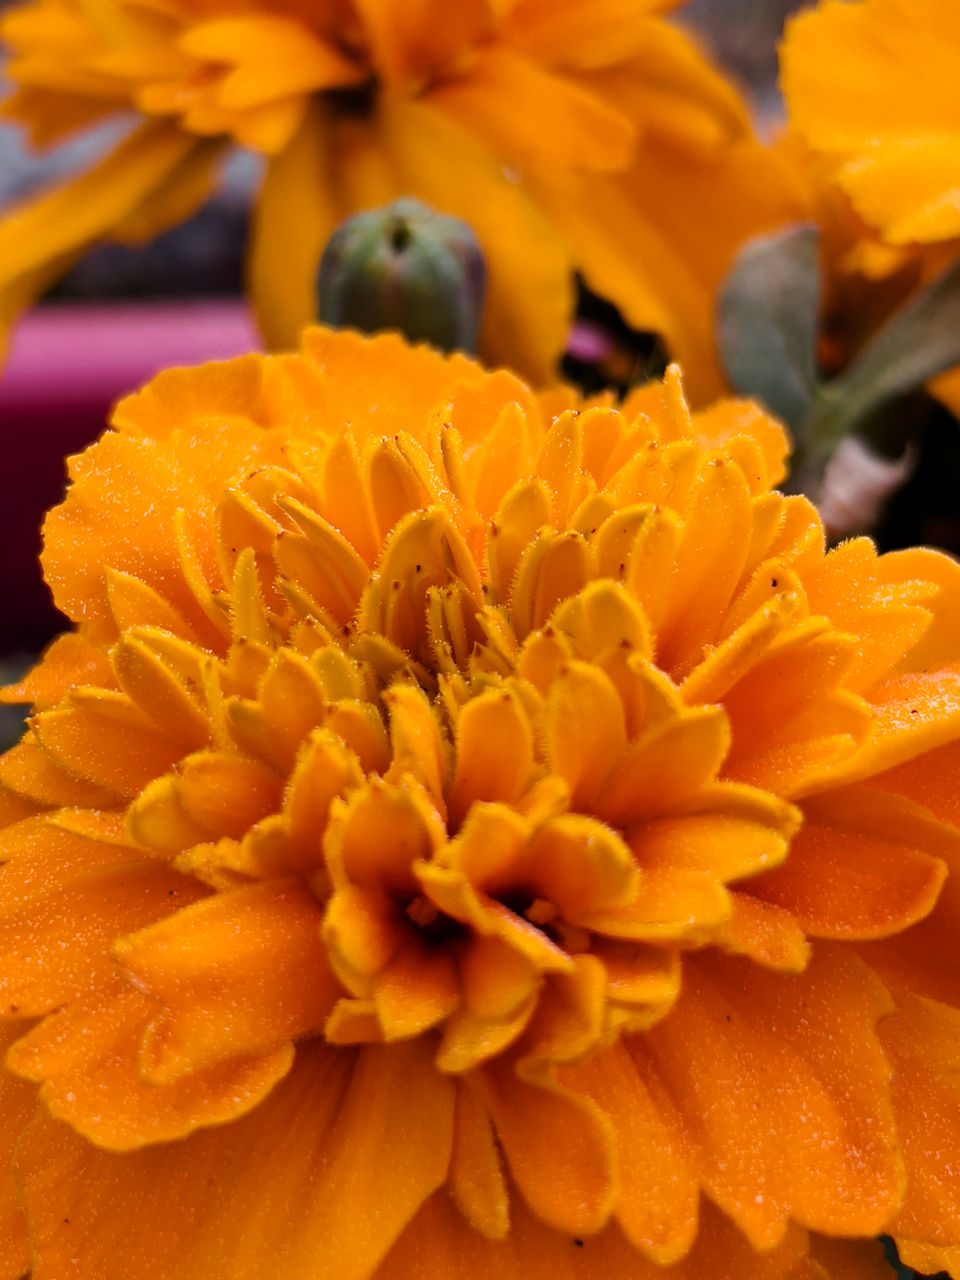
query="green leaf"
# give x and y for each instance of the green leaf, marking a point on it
(769, 311)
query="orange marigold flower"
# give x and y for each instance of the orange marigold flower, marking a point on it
(871, 86)
(474, 833)
(586, 135)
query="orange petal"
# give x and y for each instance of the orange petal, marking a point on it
(783, 1086)
(861, 866)
(418, 747)
(560, 1148)
(364, 930)
(69, 662)
(921, 1039)
(417, 41)
(375, 837)
(86, 1054)
(65, 897)
(103, 738)
(898, 165)
(227, 793)
(158, 691)
(324, 771)
(494, 744)
(722, 845)
(440, 1243)
(659, 1192)
(585, 728)
(767, 934)
(261, 46)
(673, 904)
(135, 604)
(708, 569)
(236, 974)
(578, 865)
(453, 893)
(588, 133)
(922, 958)
(497, 980)
(640, 241)
(666, 766)
(324, 563)
(105, 522)
(18, 1102)
(572, 33)
(176, 398)
(477, 1184)
(34, 773)
(929, 1259)
(418, 989)
(14, 807)
(319, 1180)
(469, 1040)
(915, 712)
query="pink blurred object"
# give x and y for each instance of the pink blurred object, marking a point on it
(588, 342)
(68, 364)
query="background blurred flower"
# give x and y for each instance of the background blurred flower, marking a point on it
(846, 327)
(871, 87)
(573, 136)
(878, 131)
(436, 852)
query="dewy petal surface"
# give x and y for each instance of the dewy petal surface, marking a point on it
(432, 852)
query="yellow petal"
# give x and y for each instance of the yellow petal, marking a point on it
(60, 224)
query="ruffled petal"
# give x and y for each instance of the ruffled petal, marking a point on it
(659, 1191)
(86, 1057)
(440, 1243)
(66, 891)
(138, 536)
(922, 1040)
(783, 1087)
(71, 660)
(318, 1181)
(863, 865)
(239, 973)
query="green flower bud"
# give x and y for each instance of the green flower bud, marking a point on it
(405, 267)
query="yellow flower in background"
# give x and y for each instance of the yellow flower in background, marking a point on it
(572, 135)
(437, 852)
(871, 88)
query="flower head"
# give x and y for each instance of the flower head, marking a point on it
(463, 828)
(572, 136)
